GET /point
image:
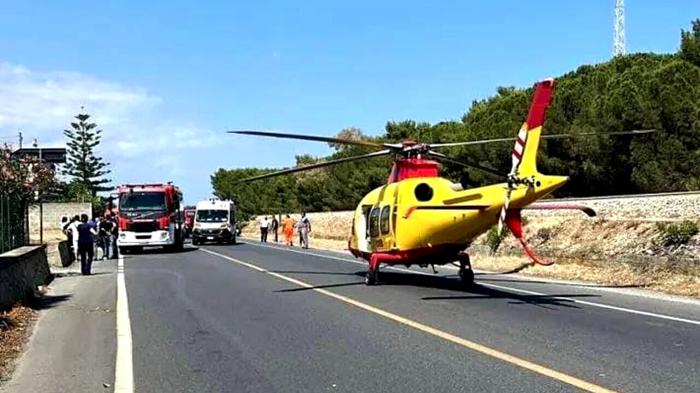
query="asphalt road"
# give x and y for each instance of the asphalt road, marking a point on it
(254, 318)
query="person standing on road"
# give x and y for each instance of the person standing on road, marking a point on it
(274, 227)
(304, 227)
(86, 244)
(115, 236)
(73, 230)
(264, 224)
(288, 229)
(105, 233)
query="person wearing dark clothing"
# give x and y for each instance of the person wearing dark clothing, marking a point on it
(86, 244)
(115, 236)
(274, 227)
(65, 224)
(105, 234)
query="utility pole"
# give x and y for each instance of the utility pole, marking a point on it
(20, 139)
(619, 29)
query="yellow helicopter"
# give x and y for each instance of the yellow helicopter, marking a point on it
(419, 218)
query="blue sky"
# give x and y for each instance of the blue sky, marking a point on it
(165, 80)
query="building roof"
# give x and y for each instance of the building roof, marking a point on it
(53, 155)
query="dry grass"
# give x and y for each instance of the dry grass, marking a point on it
(15, 329)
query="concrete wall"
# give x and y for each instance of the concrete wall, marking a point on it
(22, 270)
(53, 212)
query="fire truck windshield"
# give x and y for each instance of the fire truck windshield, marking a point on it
(212, 215)
(142, 201)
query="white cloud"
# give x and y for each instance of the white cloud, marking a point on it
(135, 141)
(42, 103)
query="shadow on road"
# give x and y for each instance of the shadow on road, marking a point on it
(553, 283)
(311, 272)
(46, 302)
(220, 245)
(77, 274)
(347, 284)
(160, 250)
(479, 292)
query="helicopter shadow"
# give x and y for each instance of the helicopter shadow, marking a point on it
(476, 292)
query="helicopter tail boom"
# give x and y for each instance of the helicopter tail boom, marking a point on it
(524, 154)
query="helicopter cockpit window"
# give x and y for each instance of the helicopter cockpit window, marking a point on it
(374, 222)
(384, 220)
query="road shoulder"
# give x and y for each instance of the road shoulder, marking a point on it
(73, 344)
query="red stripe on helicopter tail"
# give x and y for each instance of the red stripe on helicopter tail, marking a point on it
(540, 102)
(516, 154)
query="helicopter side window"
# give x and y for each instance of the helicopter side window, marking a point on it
(374, 222)
(384, 220)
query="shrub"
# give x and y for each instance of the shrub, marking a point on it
(494, 239)
(677, 234)
(544, 234)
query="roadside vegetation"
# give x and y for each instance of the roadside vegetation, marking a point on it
(633, 92)
(677, 234)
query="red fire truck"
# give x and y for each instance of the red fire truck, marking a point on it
(149, 215)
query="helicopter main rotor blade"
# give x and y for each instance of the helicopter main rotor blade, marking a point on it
(311, 138)
(317, 165)
(445, 158)
(552, 136)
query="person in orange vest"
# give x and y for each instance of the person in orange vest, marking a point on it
(288, 229)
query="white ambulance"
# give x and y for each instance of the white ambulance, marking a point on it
(214, 221)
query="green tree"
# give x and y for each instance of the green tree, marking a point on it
(633, 92)
(82, 164)
(690, 43)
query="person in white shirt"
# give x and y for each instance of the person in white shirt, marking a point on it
(73, 229)
(264, 224)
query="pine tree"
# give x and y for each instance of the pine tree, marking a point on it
(82, 164)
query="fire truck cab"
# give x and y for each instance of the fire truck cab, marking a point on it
(149, 215)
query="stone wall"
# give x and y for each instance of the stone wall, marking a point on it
(53, 212)
(651, 207)
(22, 270)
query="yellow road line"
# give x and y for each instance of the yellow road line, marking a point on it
(528, 365)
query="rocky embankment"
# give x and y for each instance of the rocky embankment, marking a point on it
(621, 246)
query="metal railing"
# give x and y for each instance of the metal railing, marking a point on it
(13, 222)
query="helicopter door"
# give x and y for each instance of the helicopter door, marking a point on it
(362, 230)
(374, 227)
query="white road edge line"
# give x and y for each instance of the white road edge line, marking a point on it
(124, 368)
(592, 304)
